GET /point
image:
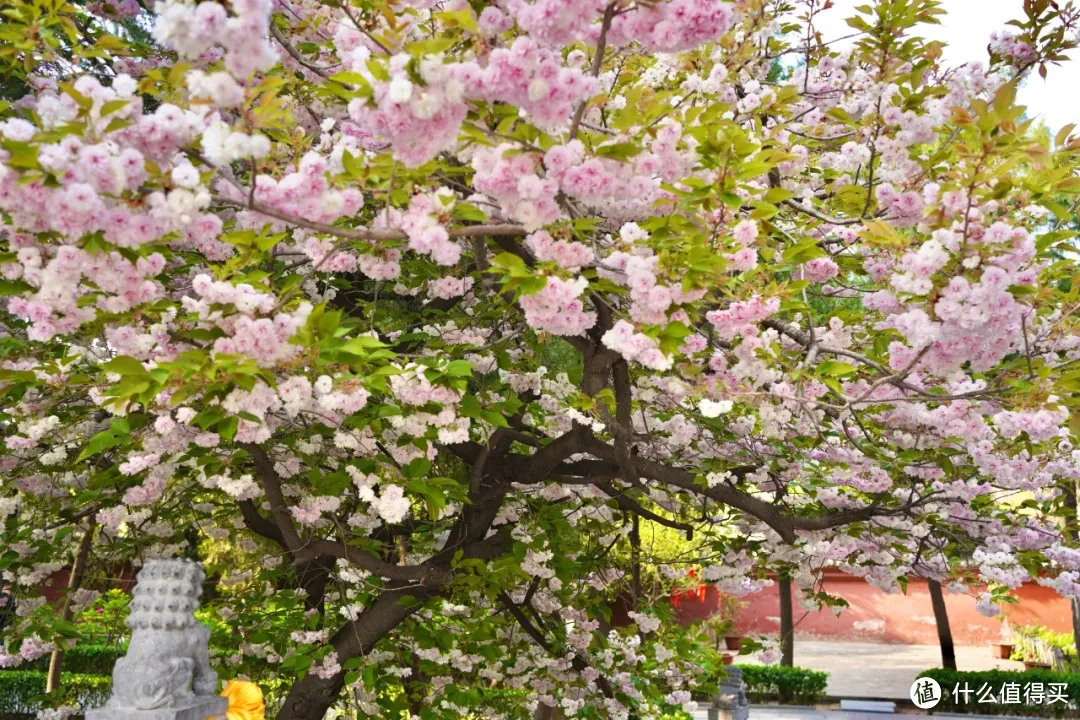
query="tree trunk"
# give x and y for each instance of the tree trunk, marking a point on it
(944, 632)
(78, 570)
(787, 624)
(1073, 531)
(310, 697)
(1076, 623)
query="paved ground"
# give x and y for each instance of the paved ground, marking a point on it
(801, 714)
(871, 670)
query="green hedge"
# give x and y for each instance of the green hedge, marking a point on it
(82, 659)
(949, 679)
(787, 685)
(23, 691)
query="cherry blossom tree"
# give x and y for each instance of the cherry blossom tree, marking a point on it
(438, 312)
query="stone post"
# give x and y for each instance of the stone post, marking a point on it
(166, 673)
(730, 702)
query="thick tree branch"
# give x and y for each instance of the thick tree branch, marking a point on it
(360, 559)
(784, 524)
(367, 234)
(525, 623)
(767, 513)
(258, 524)
(631, 505)
(271, 484)
(310, 696)
(538, 466)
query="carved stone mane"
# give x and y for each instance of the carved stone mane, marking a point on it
(166, 673)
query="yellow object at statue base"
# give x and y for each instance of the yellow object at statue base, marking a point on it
(245, 701)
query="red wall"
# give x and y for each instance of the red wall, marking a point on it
(874, 616)
(53, 586)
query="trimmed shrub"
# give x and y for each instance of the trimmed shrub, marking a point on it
(23, 691)
(994, 681)
(82, 660)
(787, 685)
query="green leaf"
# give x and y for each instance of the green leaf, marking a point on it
(266, 242)
(468, 212)
(352, 164)
(832, 368)
(112, 106)
(458, 18)
(513, 264)
(469, 407)
(618, 151)
(124, 365)
(433, 497)
(14, 287)
(23, 156)
(11, 376)
(227, 428)
(803, 252)
(459, 368)
(378, 70)
(778, 195)
(209, 416)
(418, 468)
(105, 439)
(67, 629)
(359, 345)
(350, 77)
(240, 238)
(764, 211)
(117, 124)
(494, 418)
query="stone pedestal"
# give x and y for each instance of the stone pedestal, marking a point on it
(730, 702)
(197, 708)
(715, 713)
(166, 673)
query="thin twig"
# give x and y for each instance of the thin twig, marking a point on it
(821, 216)
(360, 27)
(319, 70)
(1027, 347)
(597, 63)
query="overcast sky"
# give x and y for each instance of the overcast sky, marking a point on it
(966, 28)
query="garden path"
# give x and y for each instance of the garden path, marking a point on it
(881, 671)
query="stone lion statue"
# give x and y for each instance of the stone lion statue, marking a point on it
(168, 662)
(730, 703)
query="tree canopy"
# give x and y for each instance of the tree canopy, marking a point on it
(425, 311)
